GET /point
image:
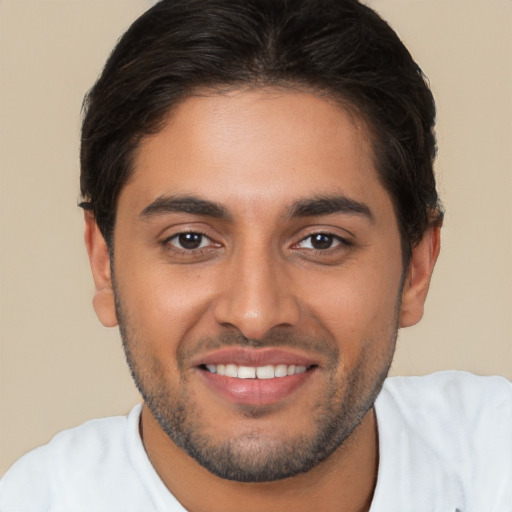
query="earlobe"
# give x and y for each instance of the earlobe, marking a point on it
(99, 258)
(417, 282)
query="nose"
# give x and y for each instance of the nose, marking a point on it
(256, 295)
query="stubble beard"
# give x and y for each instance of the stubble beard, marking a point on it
(253, 456)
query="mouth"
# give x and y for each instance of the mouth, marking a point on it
(256, 377)
(269, 371)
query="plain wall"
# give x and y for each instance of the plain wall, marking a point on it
(59, 367)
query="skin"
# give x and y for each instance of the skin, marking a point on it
(256, 154)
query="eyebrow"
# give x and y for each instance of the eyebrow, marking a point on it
(328, 205)
(184, 204)
(310, 207)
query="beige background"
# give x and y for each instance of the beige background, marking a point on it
(59, 367)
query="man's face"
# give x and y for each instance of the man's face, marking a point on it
(258, 273)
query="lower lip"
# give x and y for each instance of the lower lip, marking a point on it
(256, 391)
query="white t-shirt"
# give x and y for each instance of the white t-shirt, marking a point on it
(445, 445)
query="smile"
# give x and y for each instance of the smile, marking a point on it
(265, 376)
(259, 372)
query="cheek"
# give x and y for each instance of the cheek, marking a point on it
(358, 305)
(164, 303)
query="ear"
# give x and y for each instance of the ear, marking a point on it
(417, 282)
(99, 258)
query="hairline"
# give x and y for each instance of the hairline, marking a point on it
(361, 121)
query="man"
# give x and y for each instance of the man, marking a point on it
(261, 218)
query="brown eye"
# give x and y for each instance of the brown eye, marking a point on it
(320, 242)
(189, 241)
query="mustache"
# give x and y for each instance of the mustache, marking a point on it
(287, 339)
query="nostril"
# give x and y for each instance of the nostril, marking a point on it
(255, 310)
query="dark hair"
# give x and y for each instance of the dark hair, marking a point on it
(338, 47)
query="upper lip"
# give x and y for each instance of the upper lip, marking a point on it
(243, 356)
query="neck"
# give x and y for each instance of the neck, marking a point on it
(344, 481)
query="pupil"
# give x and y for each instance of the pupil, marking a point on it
(190, 240)
(321, 241)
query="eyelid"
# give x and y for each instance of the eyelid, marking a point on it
(341, 235)
(337, 241)
(172, 231)
(169, 239)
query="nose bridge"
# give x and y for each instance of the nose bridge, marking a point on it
(257, 295)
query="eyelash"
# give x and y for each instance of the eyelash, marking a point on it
(340, 243)
(190, 251)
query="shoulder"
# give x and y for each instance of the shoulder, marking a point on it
(74, 464)
(448, 404)
(450, 433)
(452, 391)
(29, 476)
(87, 445)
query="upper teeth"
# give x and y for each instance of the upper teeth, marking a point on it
(259, 372)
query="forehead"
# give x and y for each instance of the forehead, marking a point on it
(264, 147)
